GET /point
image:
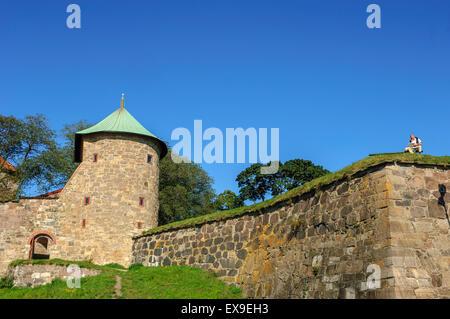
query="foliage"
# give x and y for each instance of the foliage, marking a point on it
(255, 186)
(185, 191)
(315, 184)
(134, 267)
(30, 145)
(227, 200)
(296, 172)
(6, 282)
(115, 265)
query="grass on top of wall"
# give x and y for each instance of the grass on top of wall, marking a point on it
(138, 282)
(345, 173)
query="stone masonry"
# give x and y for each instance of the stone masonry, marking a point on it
(106, 202)
(328, 243)
(36, 275)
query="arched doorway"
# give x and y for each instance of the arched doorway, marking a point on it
(40, 245)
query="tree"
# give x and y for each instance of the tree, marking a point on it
(255, 186)
(10, 132)
(30, 145)
(298, 171)
(185, 190)
(227, 200)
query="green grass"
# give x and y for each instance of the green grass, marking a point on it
(138, 282)
(95, 287)
(175, 282)
(116, 266)
(317, 183)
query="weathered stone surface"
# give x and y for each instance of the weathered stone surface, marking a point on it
(384, 218)
(36, 275)
(114, 184)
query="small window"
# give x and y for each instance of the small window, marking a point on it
(139, 225)
(87, 200)
(141, 201)
(95, 157)
(149, 159)
(83, 223)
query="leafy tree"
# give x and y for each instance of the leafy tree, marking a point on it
(228, 200)
(255, 186)
(298, 171)
(185, 190)
(30, 145)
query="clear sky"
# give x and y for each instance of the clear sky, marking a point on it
(336, 89)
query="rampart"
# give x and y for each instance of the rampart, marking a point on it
(383, 232)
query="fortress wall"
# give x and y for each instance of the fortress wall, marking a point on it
(114, 184)
(327, 243)
(19, 220)
(419, 231)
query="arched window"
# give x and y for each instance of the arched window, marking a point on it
(40, 245)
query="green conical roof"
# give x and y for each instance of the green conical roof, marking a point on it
(120, 121)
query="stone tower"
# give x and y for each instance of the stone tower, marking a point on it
(113, 194)
(111, 197)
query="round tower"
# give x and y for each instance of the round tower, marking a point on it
(113, 194)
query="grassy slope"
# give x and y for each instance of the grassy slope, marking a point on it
(176, 282)
(346, 172)
(95, 287)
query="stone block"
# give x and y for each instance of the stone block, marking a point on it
(435, 210)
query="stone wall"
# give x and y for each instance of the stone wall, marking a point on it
(36, 275)
(102, 230)
(19, 221)
(327, 243)
(419, 251)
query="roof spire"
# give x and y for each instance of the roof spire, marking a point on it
(122, 102)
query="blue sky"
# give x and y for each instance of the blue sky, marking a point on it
(336, 89)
